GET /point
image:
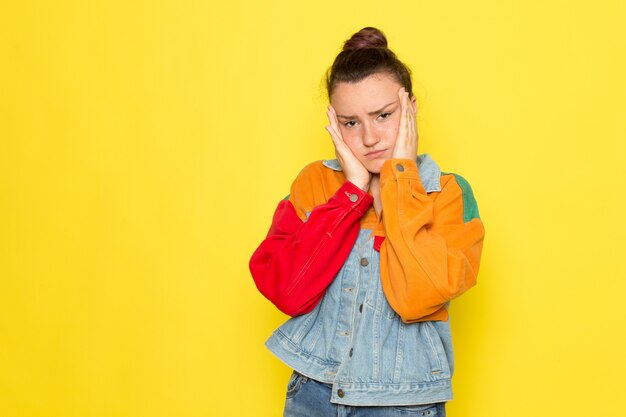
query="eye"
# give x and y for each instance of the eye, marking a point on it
(383, 116)
(351, 123)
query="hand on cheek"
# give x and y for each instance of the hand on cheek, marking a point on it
(353, 169)
(406, 142)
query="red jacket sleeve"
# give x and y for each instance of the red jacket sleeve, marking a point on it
(298, 259)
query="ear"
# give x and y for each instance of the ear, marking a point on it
(414, 103)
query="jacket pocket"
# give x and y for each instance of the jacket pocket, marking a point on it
(439, 359)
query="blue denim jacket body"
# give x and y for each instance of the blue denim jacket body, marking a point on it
(355, 341)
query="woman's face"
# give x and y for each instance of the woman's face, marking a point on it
(368, 112)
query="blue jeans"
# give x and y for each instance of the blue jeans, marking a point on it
(309, 398)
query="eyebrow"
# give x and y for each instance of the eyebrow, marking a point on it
(372, 113)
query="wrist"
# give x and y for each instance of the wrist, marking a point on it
(362, 181)
(365, 186)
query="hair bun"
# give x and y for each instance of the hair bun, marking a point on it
(366, 38)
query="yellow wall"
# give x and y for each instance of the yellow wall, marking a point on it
(144, 146)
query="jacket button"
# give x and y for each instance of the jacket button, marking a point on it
(353, 197)
(340, 393)
(364, 262)
(400, 168)
(361, 308)
(351, 351)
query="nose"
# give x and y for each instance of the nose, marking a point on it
(370, 136)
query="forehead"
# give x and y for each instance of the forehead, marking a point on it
(366, 95)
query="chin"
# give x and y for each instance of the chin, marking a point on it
(375, 170)
(374, 167)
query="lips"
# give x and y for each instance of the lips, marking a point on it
(375, 154)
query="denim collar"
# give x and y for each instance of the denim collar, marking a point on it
(428, 169)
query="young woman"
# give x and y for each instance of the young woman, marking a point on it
(367, 251)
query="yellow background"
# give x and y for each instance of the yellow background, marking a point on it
(144, 146)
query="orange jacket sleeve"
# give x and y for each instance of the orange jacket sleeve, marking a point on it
(433, 243)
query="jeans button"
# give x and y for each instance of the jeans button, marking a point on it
(361, 308)
(399, 167)
(340, 393)
(364, 262)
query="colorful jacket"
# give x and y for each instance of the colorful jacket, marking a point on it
(369, 294)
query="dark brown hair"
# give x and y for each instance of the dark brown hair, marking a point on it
(364, 54)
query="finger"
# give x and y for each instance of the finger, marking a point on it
(333, 119)
(336, 141)
(403, 117)
(410, 121)
(340, 146)
(413, 109)
(409, 110)
(342, 152)
(334, 134)
(341, 149)
(406, 142)
(412, 126)
(410, 114)
(332, 128)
